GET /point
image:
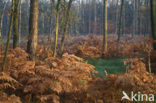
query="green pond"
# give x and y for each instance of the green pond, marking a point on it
(112, 66)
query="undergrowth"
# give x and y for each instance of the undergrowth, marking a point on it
(70, 79)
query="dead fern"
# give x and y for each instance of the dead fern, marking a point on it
(9, 99)
(109, 89)
(91, 46)
(7, 81)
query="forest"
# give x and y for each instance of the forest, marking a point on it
(77, 51)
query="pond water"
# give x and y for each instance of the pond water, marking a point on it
(112, 66)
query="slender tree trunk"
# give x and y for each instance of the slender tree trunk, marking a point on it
(137, 16)
(145, 21)
(66, 26)
(117, 16)
(16, 22)
(134, 19)
(51, 33)
(43, 26)
(57, 26)
(120, 22)
(89, 20)
(95, 19)
(51, 22)
(153, 22)
(9, 35)
(123, 19)
(105, 27)
(20, 18)
(83, 18)
(148, 23)
(1, 22)
(33, 29)
(0, 30)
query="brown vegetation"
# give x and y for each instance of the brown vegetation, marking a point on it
(91, 46)
(70, 79)
(45, 79)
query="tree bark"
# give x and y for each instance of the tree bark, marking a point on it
(123, 18)
(57, 26)
(89, 19)
(9, 35)
(153, 22)
(66, 26)
(33, 29)
(120, 22)
(95, 18)
(117, 16)
(52, 3)
(105, 27)
(20, 18)
(134, 19)
(16, 22)
(1, 22)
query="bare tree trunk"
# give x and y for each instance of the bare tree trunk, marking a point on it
(137, 18)
(1, 22)
(89, 20)
(123, 19)
(51, 22)
(153, 22)
(43, 26)
(9, 35)
(134, 18)
(117, 16)
(105, 27)
(33, 29)
(16, 22)
(51, 34)
(146, 20)
(83, 17)
(57, 26)
(66, 26)
(0, 29)
(120, 22)
(20, 18)
(95, 19)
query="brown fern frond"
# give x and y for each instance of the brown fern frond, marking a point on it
(52, 97)
(6, 78)
(9, 99)
(6, 85)
(8, 82)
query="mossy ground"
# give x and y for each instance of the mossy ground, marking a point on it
(112, 66)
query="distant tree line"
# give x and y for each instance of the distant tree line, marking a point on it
(86, 17)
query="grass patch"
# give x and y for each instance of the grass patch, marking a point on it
(112, 66)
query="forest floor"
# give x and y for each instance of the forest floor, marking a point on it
(84, 74)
